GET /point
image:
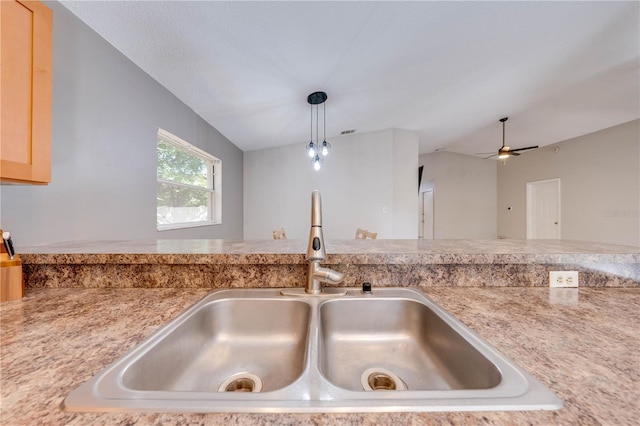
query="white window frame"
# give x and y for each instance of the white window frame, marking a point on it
(214, 182)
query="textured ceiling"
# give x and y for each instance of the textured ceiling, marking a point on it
(449, 70)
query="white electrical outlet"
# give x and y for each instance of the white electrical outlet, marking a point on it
(563, 278)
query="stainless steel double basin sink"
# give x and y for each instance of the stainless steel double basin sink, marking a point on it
(259, 351)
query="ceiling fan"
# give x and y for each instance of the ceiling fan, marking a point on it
(505, 152)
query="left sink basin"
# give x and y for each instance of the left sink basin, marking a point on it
(228, 345)
(231, 344)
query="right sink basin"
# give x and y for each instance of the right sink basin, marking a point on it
(397, 348)
(397, 344)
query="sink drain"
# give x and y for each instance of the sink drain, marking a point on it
(241, 382)
(381, 381)
(374, 379)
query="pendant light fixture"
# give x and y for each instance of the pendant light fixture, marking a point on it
(316, 150)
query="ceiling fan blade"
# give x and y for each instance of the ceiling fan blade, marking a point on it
(486, 158)
(524, 149)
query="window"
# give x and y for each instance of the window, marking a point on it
(189, 185)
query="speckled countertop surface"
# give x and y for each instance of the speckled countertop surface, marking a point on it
(584, 347)
(339, 251)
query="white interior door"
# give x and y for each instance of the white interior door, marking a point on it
(426, 216)
(543, 209)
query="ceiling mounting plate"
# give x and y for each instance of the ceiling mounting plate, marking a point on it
(317, 98)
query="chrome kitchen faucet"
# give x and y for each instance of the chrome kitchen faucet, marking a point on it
(316, 252)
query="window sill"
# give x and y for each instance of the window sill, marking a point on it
(172, 226)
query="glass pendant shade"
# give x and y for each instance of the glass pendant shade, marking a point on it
(317, 163)
(311, 149)
(325, 148)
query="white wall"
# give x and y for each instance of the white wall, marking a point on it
(405, 184)
(600, 186)
(106, 112)
(365, 182)
(464, 195)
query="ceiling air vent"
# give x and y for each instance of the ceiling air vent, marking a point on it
(347, 132)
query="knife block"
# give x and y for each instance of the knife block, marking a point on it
(11, 282)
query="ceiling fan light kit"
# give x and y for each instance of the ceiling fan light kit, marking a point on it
(316, 150)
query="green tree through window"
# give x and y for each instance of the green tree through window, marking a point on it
(186, 183)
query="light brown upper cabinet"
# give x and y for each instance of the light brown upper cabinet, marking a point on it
(25, 91)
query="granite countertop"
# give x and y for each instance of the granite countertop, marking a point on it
(205, 251)
(584, 347)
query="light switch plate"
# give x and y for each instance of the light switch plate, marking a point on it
(563, 279)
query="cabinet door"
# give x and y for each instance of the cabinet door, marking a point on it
(25, 91)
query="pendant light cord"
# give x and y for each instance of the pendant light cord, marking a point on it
(311, 123)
